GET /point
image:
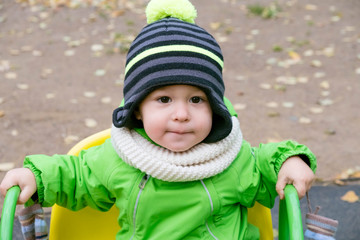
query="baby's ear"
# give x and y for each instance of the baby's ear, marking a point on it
(137, 114)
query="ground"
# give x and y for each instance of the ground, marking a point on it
(294, 75)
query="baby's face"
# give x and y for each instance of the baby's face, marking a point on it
(176, 117)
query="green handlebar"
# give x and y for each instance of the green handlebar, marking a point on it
(8, 213)
(290, 222)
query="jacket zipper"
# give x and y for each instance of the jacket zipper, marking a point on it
(141, 186)
(212, 209)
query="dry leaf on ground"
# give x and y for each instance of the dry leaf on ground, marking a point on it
(350, 197)
(4, 167)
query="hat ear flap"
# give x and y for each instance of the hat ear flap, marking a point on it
(118, 117)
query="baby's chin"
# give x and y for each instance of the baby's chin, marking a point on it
(179, 149)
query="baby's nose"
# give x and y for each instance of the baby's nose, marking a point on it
(181, 113)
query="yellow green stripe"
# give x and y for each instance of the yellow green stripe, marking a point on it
(170, 48)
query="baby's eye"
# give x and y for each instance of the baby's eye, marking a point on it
(196, 100)
(164, 99)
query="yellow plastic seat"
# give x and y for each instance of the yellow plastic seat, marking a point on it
(86, 223)
(91, 224)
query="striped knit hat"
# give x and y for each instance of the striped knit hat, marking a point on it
(172, 50)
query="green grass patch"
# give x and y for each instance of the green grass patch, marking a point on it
(266, 12)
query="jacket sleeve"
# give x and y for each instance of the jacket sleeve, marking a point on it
(69, 181)
(266, 161)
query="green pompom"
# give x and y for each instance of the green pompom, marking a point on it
(181, 9)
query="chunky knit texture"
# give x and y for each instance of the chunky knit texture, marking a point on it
(174, 52)
(202, 161)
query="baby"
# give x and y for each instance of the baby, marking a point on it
(176, 164)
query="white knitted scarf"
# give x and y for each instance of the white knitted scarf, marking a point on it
(201, 161)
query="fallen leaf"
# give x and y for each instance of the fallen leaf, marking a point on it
(335, 18)
(106, 100)
(43, 26)
(66, 38)
(69, 53)
(215, 25)
(308, 53)
(290, 39)
(70, 139)
(14, 133)
(10, 75)
(272, 61)
(89, 94)
(286, 80)
(272, 104)
(250, 47)
(3, 19)
(310, 7)
(254, 31)
(119, 82)
(326, 102)
(357, 71)
(239, 106)
(6, 166)
(273, 140)
(303, 79)
(222, 39)
(339, 182)
(329, 51)
(97, 47)
(14, 52)
(22, 86)
(266, 86)
(37, 53)
(304, 120)
(330, 132)
(294, 55)
(44, 15)
(273, 114)
(325, 84)
(280, 87)
(33, 19)
(316, 110)
(350, 197)
(288, 104)
(90, 123)
(45, 72)
(26, 48)
(240, 78)
(2, 113)
(74, 43)
(74, 101)
(50, 95)
(325, 93)
(100, 72)
(319, 75)
(316, 63)
(4, 65)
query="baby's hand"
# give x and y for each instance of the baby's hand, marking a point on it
(295, 171)
(22, 177)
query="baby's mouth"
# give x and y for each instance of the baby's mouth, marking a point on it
(179, 132)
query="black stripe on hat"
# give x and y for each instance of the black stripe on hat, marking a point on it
(152, 62)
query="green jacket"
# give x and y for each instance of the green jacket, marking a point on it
(213, 208)
(154, 209)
